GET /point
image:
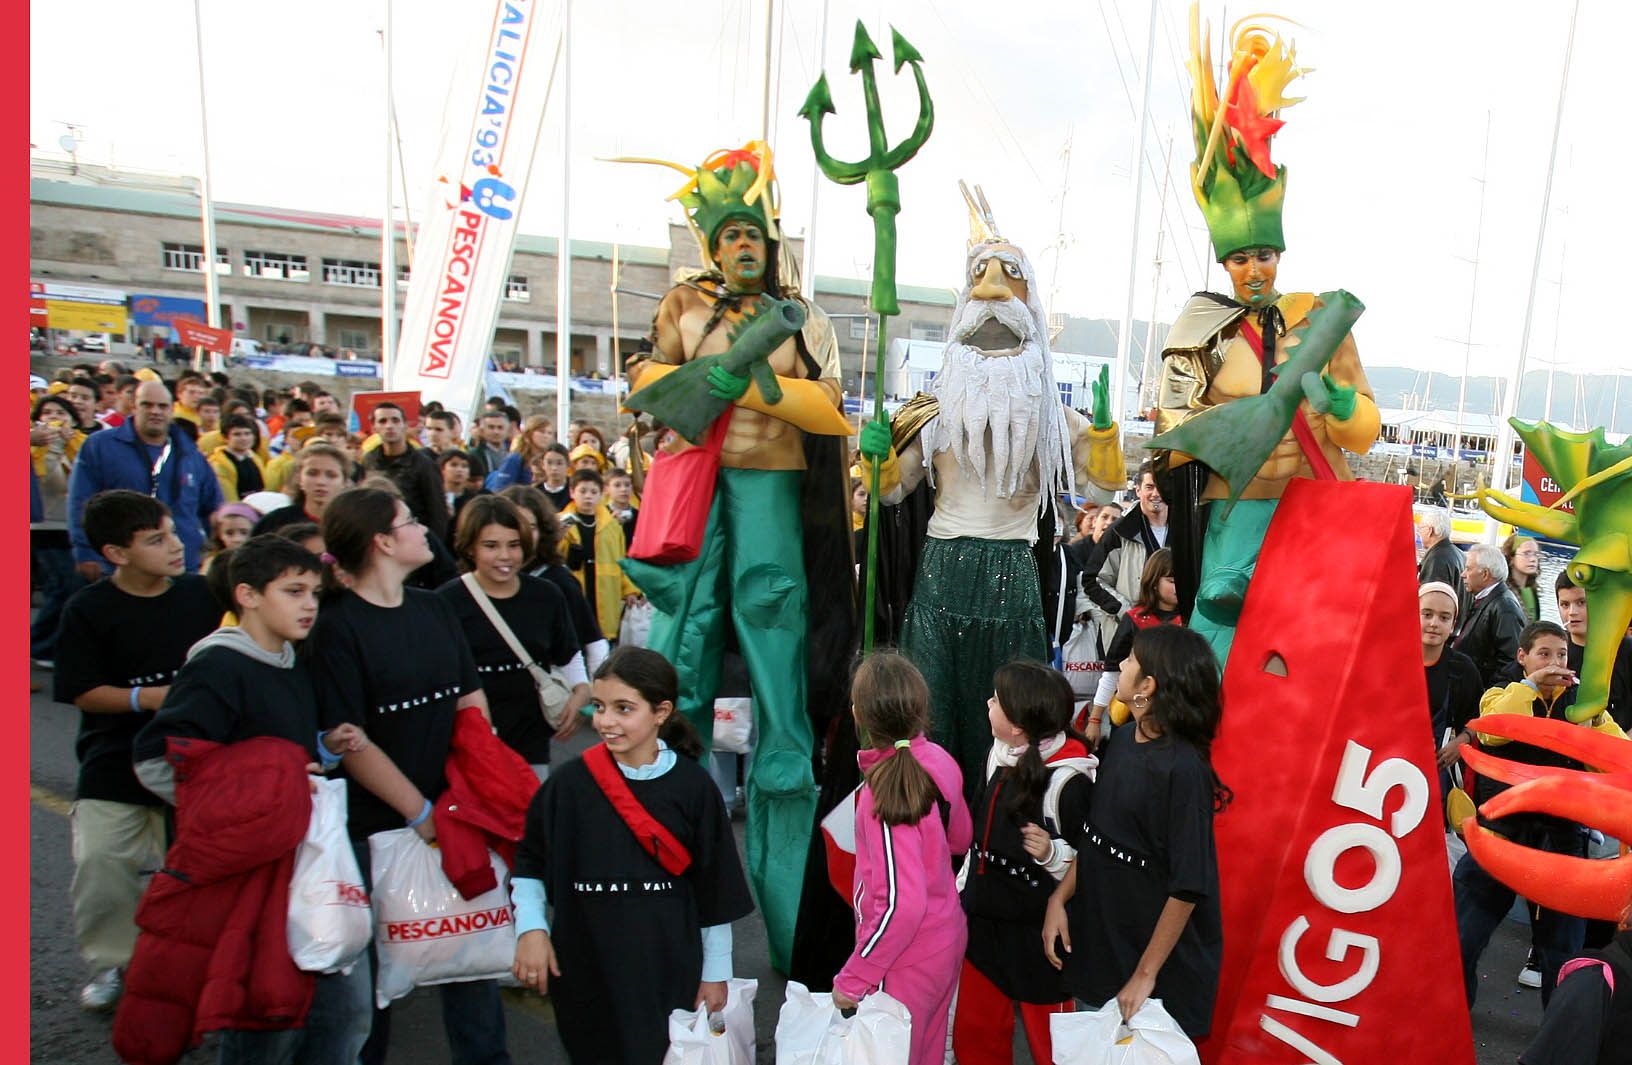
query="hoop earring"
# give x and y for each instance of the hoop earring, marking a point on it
(1141, 701)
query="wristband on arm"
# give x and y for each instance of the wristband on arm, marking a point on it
(135, 699)
(425, 811)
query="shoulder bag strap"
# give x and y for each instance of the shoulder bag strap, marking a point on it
(654, 838)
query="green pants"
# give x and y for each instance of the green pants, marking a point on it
(750, 573)
(1229, 555)
(976, 605)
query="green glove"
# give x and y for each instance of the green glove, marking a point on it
(1327, 396)
(1341, 399)
(723, 384)
(875, 439)
(1102, 399)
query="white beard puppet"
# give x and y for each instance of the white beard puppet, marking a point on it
(996, 387)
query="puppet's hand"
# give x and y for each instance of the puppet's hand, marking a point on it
(1102, 399)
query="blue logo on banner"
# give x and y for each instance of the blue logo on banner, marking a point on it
(159, 310)
(357, 369)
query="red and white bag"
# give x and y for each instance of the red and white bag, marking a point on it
(734, 724)
(424, 931)
(329, 921)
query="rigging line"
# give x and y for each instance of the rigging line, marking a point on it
(1150, 166)
(967, 71)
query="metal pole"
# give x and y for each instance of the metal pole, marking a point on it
(1502, 461)
(212, 299)
(388, 226)
(563, 251)
(807, 280)
(1124, 339)
(617, 391)
(869, 596)
(765, 92)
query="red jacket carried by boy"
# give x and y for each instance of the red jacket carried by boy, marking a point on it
(489, 789)
(213, 952)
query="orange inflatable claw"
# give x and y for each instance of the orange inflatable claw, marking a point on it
(1489, 765)
(1610, 754)
(1580, 886)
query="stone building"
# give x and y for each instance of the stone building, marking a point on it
(289, 276)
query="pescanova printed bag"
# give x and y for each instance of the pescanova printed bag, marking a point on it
(424, 932)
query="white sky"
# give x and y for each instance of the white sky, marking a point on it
(1384, 157)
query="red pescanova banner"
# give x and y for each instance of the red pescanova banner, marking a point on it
(198, 335)
(1340, 938)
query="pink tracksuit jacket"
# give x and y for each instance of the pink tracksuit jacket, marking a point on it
(910, 928)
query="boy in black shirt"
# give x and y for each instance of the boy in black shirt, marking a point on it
(246, 681)
(121, 641)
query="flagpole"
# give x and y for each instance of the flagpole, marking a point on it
(563, 250)
(388, 226)
(212, 299)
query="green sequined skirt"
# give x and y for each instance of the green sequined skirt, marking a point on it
(976, 605)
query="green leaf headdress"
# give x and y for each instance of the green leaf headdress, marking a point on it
(1240, 189)
(730, 183)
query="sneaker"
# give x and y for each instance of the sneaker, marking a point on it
(103, 991)
(1530, 976)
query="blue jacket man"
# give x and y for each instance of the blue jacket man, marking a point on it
(146, 454)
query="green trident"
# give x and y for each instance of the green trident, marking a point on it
(883, 204)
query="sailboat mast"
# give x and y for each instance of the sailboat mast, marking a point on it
(1119, 379)
(1502, 461)
(1473, 299)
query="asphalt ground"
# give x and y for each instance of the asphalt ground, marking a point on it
(1504, 1018)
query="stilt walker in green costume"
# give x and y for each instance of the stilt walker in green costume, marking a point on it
(736, 342)
(1225, 349)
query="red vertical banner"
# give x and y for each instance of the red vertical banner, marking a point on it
(1340, 938)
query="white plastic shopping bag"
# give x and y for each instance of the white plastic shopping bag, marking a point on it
(734, 724)
(1098, 1037)
(811, 1031)
(329, 920)
(697, 1037)
(1082, 660)
(636, 625)
(424, 931)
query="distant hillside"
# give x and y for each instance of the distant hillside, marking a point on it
(1399, 386)
(1588, 401)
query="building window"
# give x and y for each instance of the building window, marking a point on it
(862, 328)
(928, 331)
(515, 289)
(275, 266)
(402, 274)
(356, 339)
(190, 257)
(352, 272)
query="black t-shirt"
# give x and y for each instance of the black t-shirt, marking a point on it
(1454, 688)
(249, 474)
(583, 619)
(1145, 835)
(110, 637)
(273, 520)
(537, 614)
(560, 498)
(398, 672)
(225, 696)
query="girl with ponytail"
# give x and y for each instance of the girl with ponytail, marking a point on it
(1017, 860)
(910, 821)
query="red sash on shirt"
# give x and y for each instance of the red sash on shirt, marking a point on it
(649, 832)
(1300, 424)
